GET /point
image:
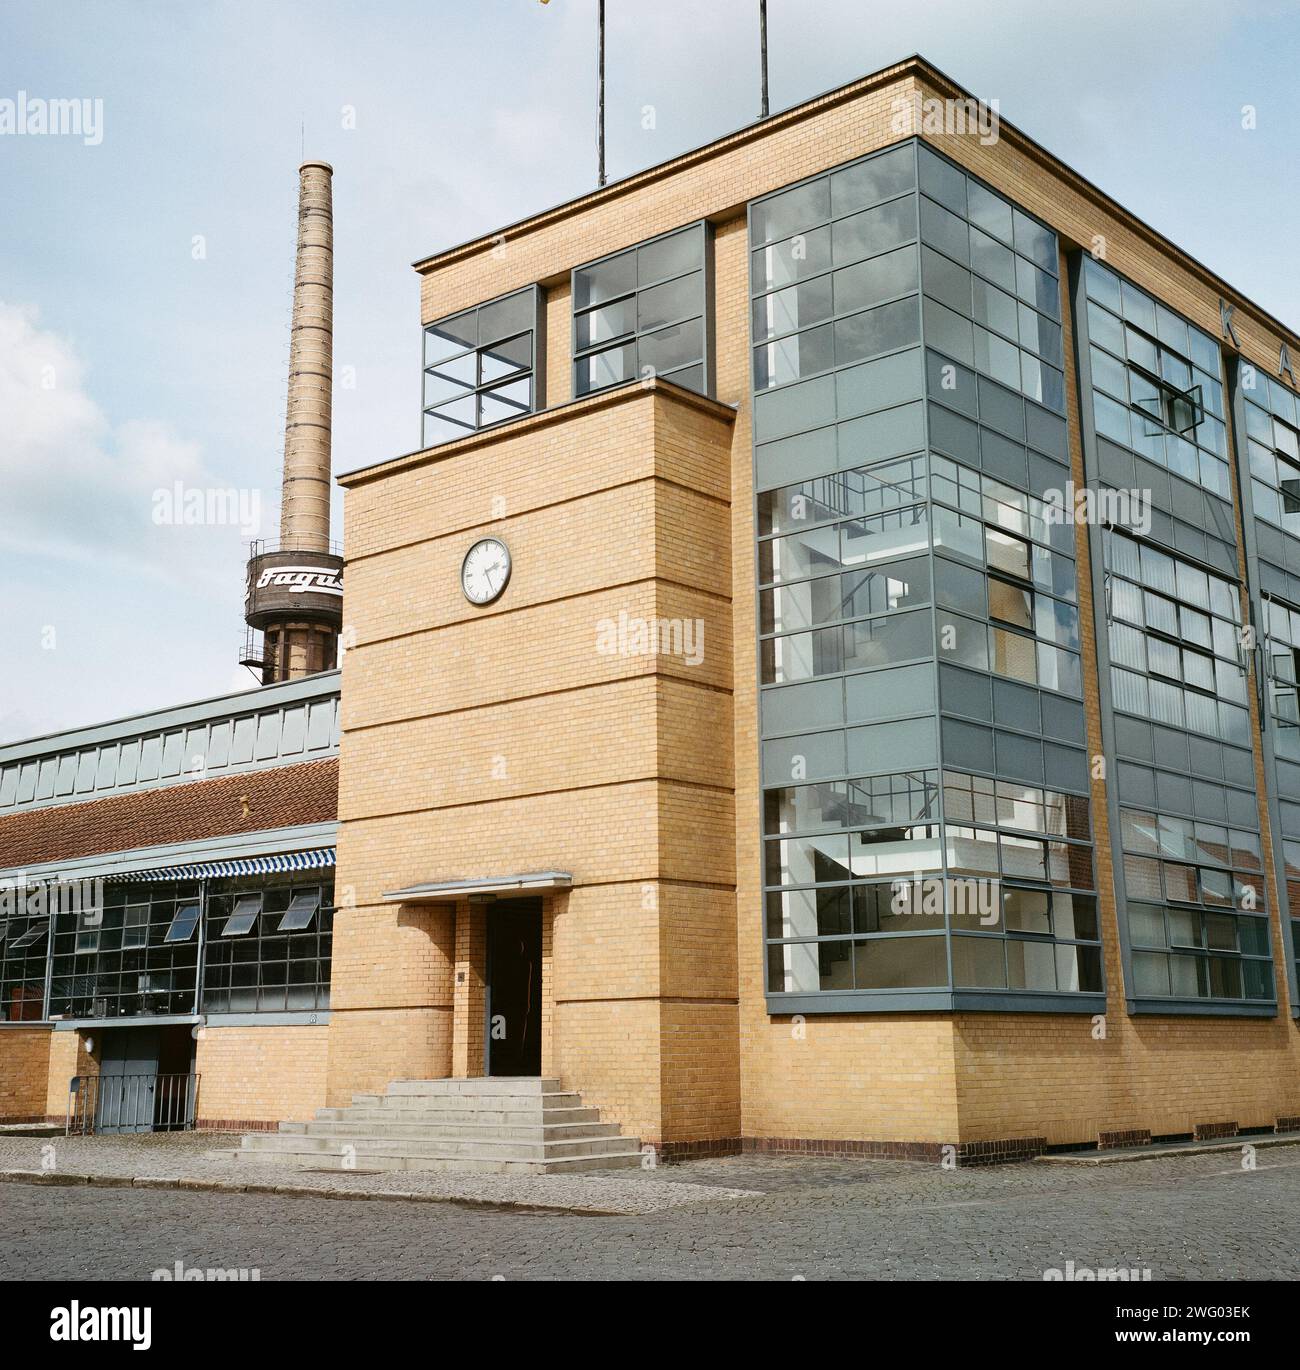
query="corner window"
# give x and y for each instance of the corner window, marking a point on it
(481, 367)
(643, 312)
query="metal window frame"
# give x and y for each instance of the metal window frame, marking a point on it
(707, 362)
(1136, 1004)
(1257, 598)
(945, 999)
(314, 897)
(256, 898)
(173, 937)
(535, 373)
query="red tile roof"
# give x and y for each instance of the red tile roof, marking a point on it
(279, 797)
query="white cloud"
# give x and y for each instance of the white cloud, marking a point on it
(79, 488)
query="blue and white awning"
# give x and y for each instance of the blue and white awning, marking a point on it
(248, 865)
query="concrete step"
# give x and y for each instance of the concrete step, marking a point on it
(489, 1125)
(504, 1164)
(504, 1117)
(524, 1148)
(532, 1130)
(494, 1084)
(437, 1103)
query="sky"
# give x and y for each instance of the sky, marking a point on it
(146, 270)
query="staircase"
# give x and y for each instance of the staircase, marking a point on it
(496, 1125)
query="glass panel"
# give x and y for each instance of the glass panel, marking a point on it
(606, 323)
(878, 178)
(301, 911)
(183, 924)
(671, 302)
(792, 308)
(604, 281)
(241, 921)
(670, 256)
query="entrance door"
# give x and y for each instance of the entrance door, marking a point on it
(514, 987)
(128, 1080)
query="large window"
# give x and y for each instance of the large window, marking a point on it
(481, 367)
(1291, 870)
(24, 944)
(1197, 923)
(1175, 641)
(870, 569)
(1282, 665)
(1273, 451)
(834, 270)
(1015, 616)
(256, 945)
(1156, 379)
(867, 878)
(990, 276)
(642, 313)
(137, 954)
(908, 398)
(269, 946)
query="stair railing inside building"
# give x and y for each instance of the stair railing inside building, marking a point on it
(101, 1105)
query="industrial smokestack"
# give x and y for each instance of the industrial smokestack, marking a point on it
(294, 595)
(305, 495)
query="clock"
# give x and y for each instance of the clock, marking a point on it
(485, 571)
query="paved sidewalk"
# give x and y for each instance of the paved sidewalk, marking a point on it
(180, 1161)
(1185, 1217)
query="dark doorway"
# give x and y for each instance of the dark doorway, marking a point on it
(514, 987)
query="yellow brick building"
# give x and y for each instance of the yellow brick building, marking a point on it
(626, 397)
(827, 682)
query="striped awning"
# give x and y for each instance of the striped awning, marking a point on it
(248, 865)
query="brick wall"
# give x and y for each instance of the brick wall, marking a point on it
(24, 1074)
(260, 1074)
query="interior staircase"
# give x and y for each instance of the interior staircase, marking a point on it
(495, 1125)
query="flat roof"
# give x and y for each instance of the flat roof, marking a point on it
(172, 715)
(915, 64)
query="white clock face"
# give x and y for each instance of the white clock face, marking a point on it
(485, 570)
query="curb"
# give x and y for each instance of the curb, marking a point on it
(193, 1184)
(1165, 1153)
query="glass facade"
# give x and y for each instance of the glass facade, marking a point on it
(1173, 647)
(1197, 916)
(24, 948)
(1157, 383)
(482, 366)
(925, 813)
(259, 944)
(1267, 422)
(644, 312)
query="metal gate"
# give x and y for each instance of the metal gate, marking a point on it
(139, 1101)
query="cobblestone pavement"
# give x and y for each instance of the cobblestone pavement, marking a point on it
(188, 1157)
(1194, 1217)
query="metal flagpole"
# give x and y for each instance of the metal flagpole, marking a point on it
(600, 92)
(762, 44)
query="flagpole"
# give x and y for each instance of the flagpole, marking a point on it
(600, 92)
(762, 44)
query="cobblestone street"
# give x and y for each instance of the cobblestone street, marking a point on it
(1186, 1218)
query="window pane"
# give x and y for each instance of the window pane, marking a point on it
(605, 280)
